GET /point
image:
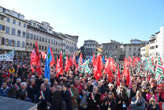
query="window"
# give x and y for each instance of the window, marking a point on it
(31, 36)
(27, 35)
(18, 43)
(13, 31)
(10, 42)
(2, 27)
(34, 37)
(23, 44)
(24, 34)
(14, 21)
(2, 41)
(19, 33)
(40, 38)
(8, 19)
(134, 54)
(48, 40)
(27, 44)
(24, 25)
(1, 18)
(7, 30)
(19, 23)
(37, 38)
(6, 41)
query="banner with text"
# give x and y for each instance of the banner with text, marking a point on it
(7, 56)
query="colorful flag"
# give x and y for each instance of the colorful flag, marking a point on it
(67, 64)
(159, 76)
(35, 60)
(43, 55)
(47, 64)
(59, 65)
(118, 76)
(53, 60)
(98, 68)
(128, 77)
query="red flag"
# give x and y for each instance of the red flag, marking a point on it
(128, 77)
(53, 60)
(74, 62)
(57, 67)
(35, 60)
(74, 59)
(67, 64)
(61, 61)
(118, 76)
(112, 64)
(70, 61)
(98, 68)
(81, 58)
(110, 76)
(106, 69)
(43, 55)
(95, 66)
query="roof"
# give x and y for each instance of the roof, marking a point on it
(53, 35)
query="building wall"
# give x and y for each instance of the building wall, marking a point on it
(14, 35)
(155, 45)
(90, 47)
(44, 40)
(160, 42)
(69, 43)
(112, 49)
(132, 50)
(20, 35)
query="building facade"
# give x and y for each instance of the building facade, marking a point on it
(13, 28)
(90, 47)
(133, 48)
(69, 43)
(44, 36)
(155, 45)
(112, 49)
(19, 34)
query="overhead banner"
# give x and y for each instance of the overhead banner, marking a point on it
(7, 57)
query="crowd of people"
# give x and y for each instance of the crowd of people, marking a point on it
(78, 91)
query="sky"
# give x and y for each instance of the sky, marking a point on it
(100, 20)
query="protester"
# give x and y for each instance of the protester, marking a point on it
(138, 102)
(103, 88)
(153, 104)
